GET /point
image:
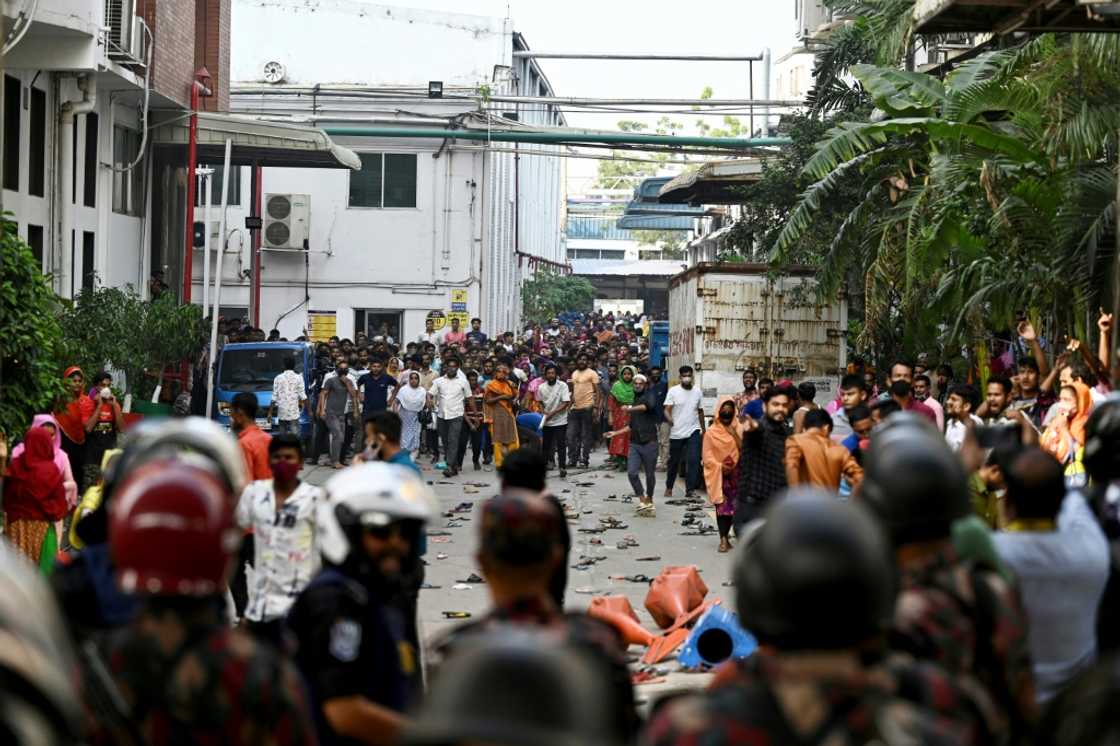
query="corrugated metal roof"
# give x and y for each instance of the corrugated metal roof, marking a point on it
(646, 267)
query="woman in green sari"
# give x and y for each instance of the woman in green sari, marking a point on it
(622, 395)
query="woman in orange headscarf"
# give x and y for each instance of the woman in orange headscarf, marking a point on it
(720, 457)
(1065, 435)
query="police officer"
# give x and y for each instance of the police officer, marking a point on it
(352, 647)
(178, 667)
(520, 544)
(815, 586)
(512, 686)
(962, 614)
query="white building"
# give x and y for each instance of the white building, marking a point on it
(428, 224)
(70, 96)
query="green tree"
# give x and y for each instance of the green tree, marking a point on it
(548, 293)
(30, 335)
(116, 327)
(985, 196)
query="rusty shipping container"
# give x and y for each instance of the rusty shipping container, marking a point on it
(726, 318)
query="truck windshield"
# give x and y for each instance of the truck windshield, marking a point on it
(254, 370)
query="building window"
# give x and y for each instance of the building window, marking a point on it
(89, 172)
(374, 323)
(11, 132)
(234, 196)
(89, 274)
(386, 180)
(35, 241)
(37, 159)
(128, 186)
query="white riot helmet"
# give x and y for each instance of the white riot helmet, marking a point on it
(369, 495)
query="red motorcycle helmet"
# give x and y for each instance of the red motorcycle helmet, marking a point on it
(171, 529)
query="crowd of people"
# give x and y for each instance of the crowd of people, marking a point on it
(917, 565)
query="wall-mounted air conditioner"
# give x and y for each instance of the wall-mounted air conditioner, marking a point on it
(118, 21)
(286, 221)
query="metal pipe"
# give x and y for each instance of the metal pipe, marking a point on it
(67, 181)
(765, 91)
(258, 191)
(197, 90)
(513, 99)
(218, 285)
(670, 57)
(557, 137)
(204, 175)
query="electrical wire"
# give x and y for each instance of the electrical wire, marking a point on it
(147, 93)
(28, 17)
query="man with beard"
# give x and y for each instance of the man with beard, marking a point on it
(997, 410)
(959, 405)
(684, 411)
(642, 455)
(357, 662)
(922, 389)
(762, 471)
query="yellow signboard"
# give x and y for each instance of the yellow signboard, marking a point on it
(321, 325)
(438, 319)
(459, 307)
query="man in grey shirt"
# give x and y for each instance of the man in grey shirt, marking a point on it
(337, 391)
(1057, 550)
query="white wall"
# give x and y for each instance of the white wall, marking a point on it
(346, 41)
(118, 256)
(405, 259)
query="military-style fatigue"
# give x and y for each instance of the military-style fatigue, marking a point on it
(969, 620)
(222, 687)
(767, 701)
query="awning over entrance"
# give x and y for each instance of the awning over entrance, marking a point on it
(255, 142)
(715, 183)
(1006, 16)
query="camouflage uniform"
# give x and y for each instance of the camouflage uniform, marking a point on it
(222, 687)
(969, 620)
(762, 702)
(575, 631)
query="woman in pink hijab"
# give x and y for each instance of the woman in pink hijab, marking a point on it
(61, 460)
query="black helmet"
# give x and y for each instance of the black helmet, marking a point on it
(913, 482)
(818, 574)
(1102, 442)
(512, 686)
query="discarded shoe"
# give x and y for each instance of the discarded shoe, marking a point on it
(472, 578)
(456, 615)
(652, 558)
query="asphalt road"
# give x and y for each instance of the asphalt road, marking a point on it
(594, 494)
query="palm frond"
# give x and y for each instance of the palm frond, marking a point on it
(810, 202)
(901, 92)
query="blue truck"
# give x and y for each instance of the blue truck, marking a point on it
(252, 367)
(658, 344)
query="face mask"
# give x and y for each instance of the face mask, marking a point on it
(285, 471)
(726, 417)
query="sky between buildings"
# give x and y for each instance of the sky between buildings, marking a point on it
(640, 27)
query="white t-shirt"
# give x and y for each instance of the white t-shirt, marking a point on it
(686, 417)
(449, 396)
(286, 553)
(955, 430)
(552, 396)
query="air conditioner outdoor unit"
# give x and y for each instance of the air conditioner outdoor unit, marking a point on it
(286, 221)
(138, 50)
(118, 19)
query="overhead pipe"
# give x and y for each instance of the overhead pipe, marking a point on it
(653, 57)
(66, 181)
(555, 138)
